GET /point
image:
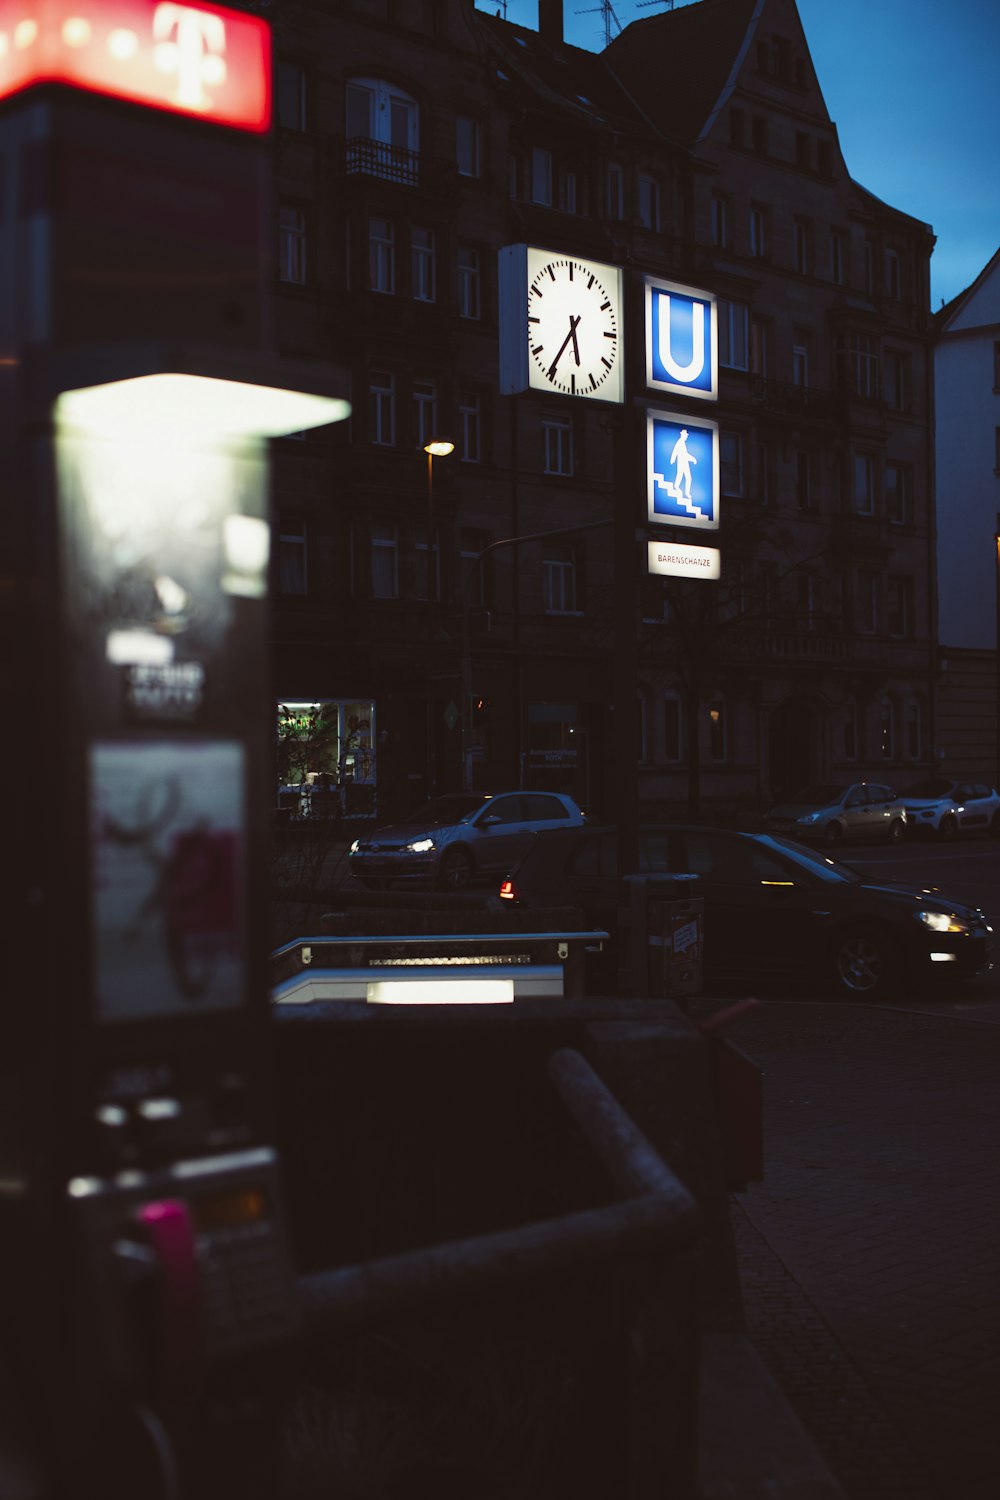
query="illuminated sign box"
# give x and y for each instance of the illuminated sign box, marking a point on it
(204, 61)
(681, 340)
(682, 470)
(674, 560)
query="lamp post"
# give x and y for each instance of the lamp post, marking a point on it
(437, 447)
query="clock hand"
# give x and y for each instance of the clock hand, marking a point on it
(576, 347)
(559, 352)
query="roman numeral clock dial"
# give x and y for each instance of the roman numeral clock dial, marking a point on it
(574, 328)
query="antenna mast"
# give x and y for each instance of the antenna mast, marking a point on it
(607, 10)
(645, 4)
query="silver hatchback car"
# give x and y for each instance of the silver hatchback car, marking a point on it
(456, 839)
(841, 814)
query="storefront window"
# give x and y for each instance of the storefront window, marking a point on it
(326, 756)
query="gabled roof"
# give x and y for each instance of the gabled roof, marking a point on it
(952, 313)
(707, 40)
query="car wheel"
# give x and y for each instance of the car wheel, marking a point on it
(865, 964)
(897, 831)
(832, 834)
(948, 827)
(455, 873)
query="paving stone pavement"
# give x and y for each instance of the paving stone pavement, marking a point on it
(870, 1255)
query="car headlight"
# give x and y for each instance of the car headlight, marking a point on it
(355, 847)
(941, 921)
(419, 846)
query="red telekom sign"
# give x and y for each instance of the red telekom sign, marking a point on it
(200, 60)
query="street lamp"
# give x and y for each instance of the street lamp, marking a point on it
(436, 447)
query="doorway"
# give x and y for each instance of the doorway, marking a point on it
(790, 750)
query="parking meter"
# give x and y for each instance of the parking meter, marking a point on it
(146, 1295)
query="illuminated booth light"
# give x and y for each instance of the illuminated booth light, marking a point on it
(206, 61)
(194, 407)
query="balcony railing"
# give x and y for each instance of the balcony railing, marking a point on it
(788, 399)
(371, 158)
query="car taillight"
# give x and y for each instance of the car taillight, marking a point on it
(509, 891)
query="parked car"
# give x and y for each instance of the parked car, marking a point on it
(945, 807)
(773, 908)
(458, 838)
(841, 814)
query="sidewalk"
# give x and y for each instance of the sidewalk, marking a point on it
(870, 1255)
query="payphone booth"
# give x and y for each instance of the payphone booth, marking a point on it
(146, 1295)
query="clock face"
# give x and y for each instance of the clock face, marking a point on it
(574, 326)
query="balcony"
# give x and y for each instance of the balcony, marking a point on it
(783, 398)
(366, 157)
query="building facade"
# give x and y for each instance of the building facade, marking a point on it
(967, 396)
(462, 618)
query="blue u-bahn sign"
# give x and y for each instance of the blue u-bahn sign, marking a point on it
(681, 340)
(682, 470)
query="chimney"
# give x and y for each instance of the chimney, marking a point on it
(550, 21)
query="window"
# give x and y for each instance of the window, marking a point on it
(887, 728)
(824, 158)
(382, 130)
(568, 191)
(731, 462)
(759, 236)
(898, 380)
(863, 497)
(673, 726)
(914, 729)
(899, 606)
(468, 149)
(293, 576)
(717, 730)
(381, 255)
(838, 256)
(382, 409)
(434, 571)
(557, 437)
(541, 176)
(893, 275)
(734, 322)
(758, 130)
(424, 411)
(800, 357)
(850, 727)
(469, 427)
(290, 96)
(899, 493)
(473, 567)
(720, 220)
(869, 263)
(291, 244)
(804, 497)
(808, 598)
(803, 150)
(559, 577)
(760, 346)
(866, 604)
(765, 473)
(385, 562)
(469, 282)
(615, 191)
(802, 235)
(423, 257)
(648, 193)
(860, 351)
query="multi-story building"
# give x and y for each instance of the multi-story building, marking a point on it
(414, 142)
(967, 401)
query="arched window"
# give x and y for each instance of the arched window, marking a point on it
(718, 730)
(382, 129)
(914, 729)
(673, 727)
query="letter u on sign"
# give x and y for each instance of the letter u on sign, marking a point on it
(681, 340)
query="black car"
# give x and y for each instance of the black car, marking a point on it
(773, 908)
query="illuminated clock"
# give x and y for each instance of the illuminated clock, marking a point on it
(562, 324)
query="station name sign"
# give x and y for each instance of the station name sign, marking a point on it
(675, 560)
(205, 61)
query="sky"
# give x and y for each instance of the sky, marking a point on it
(913, 87)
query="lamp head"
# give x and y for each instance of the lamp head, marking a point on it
(439, 447)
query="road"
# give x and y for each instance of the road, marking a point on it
(869, 1254)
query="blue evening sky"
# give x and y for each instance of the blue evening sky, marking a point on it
(913, 87)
